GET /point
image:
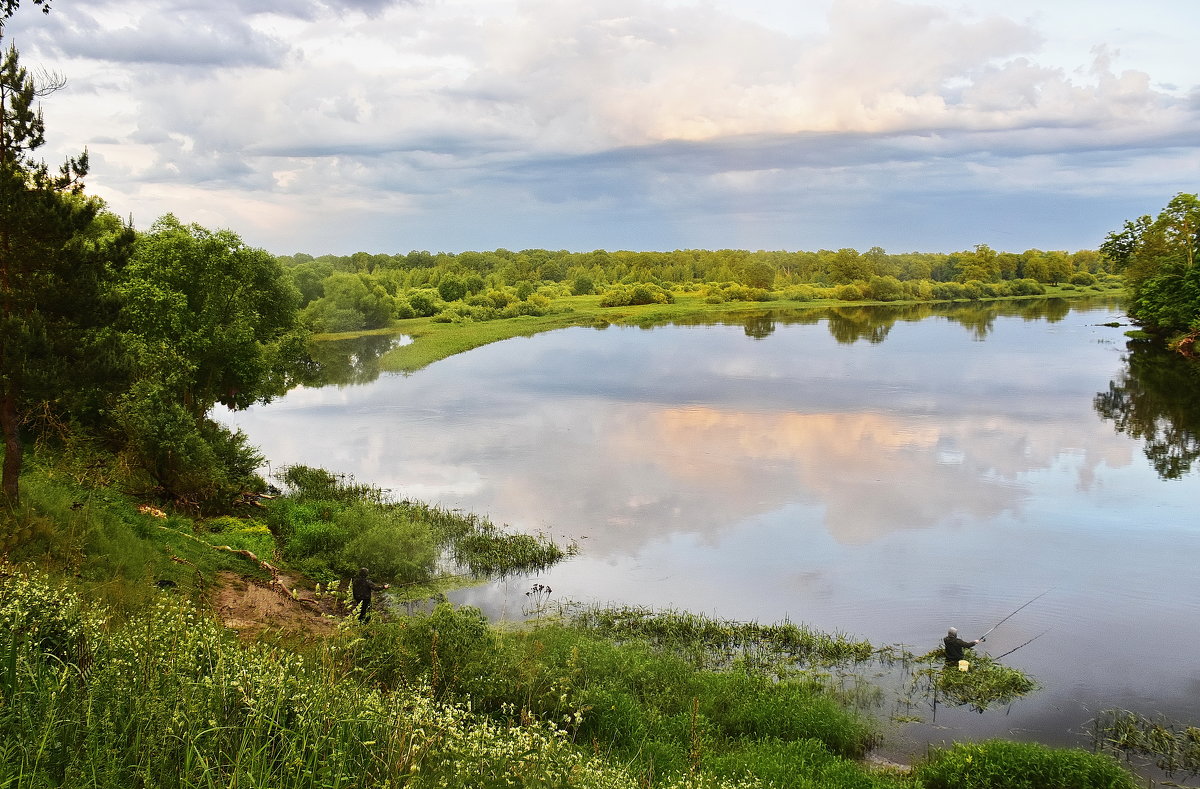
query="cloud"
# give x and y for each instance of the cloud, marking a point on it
(629, 111)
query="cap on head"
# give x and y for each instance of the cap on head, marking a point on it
(953, 631)
(362, 570)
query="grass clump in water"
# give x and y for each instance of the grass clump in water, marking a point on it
(986, 684)
(1170, 747)
(328, 525)
(721, 643)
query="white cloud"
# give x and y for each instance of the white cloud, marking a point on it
(519, 108)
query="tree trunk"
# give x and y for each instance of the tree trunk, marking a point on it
(12, 445)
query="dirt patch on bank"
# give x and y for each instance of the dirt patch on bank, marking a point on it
(251, 607)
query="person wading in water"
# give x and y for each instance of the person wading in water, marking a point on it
(955, 645)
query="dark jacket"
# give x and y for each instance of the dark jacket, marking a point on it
(955, 647)
(361, 587)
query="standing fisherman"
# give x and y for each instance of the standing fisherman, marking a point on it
(361, 587)
(955, 646)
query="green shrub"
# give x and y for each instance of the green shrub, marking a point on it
(1000, 764)
(1083, 278)
(422, 303)
(948, 291)
(387, 543)
(849, 292)
(800, 293)
(885, 289)
(638, 293)
(1026, 287)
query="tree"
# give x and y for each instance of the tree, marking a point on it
(982, 265)
(1158, 260)
(204, 320)
(54, 265)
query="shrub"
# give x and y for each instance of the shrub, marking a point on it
(1026, 287)
(999, 764)
(387, 543)
(849, 292)
(1083, 278)
(885, 289)
(451, 289)
(423, 304)
(948, 291)
(639, 293)
(800, 293)
(582, 286)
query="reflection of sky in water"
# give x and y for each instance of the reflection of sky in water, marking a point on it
(885, 490)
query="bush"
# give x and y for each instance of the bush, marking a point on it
(387, 543)
(423, 304)
(640, 293)
(999, 764)
(1026, 287)
(800, 293)
(1083, 278)
(948, 291)
(885, 289)
(849, 292)
(451, 289)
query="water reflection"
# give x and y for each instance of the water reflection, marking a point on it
(349, 362)
(880, 472)
(1156, 399)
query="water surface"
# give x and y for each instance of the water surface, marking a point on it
(884, 473)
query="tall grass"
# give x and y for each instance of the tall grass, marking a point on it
(1000, 764)
(1171, 747)
(720, 643)
(330, 525)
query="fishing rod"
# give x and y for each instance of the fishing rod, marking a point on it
(1014, 613)
(1027, 643)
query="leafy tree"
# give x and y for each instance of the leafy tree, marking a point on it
(204, 320)
(1158, 260)
(982, 264)
(54, 261)
(451, 288)
(351, 302)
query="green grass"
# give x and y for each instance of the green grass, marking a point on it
(108, 680)
(434, 340)
(1000, 764)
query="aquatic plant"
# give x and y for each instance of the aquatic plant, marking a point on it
(987, 683)
(1172, 747)
(719, 642)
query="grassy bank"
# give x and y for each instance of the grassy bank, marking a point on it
(117, 671)
(435, 338)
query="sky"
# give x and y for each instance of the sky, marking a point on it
(336, 126)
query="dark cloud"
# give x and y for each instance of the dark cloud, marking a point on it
(165, 36)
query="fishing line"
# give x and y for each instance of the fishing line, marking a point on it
(1014, 613)
(1027, 643)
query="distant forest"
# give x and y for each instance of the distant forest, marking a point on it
(364, 291)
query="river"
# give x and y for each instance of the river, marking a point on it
(881, 472)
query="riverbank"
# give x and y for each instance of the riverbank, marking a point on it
(436, 338)
(144, 646)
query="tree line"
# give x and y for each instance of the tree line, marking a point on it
(365, 291)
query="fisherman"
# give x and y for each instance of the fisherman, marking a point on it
(955, 646)
(361, 588)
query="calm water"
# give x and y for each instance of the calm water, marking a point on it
(878, 473)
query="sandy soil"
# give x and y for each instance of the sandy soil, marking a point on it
(251, 607)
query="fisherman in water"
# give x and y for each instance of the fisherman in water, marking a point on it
(955, 646)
